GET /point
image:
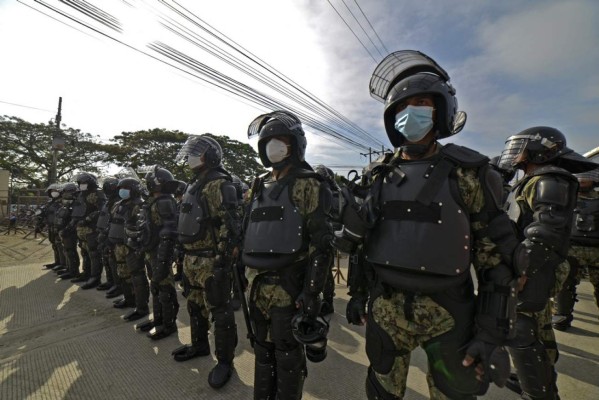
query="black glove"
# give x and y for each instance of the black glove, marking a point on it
(309, 304)
(494, 358)
(356, 310)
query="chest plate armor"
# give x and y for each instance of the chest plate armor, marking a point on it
(414, 237)
(50, 211)
(275, 230)
(585, 227)
(79, 207)
(62, 217)
(103, 222)
(150, 235)
(191, 215)
(116, 232)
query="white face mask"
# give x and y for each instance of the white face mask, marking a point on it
(194, 161)
(83, 186)
(54, 194)
(276, 150)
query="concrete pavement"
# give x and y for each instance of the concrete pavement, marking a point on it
(60, 342)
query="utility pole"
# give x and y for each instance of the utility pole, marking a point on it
(57, 143)
(371, 152)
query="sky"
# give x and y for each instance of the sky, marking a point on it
(515, 64)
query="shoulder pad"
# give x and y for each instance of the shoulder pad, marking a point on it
(166, 206)
(229, 193)
(464, 156)
(553, 170)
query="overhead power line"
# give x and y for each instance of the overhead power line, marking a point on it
(372, 27)
(24, 106)
(313, 111)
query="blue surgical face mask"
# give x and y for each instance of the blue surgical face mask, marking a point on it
(414, 122)
(124, 193)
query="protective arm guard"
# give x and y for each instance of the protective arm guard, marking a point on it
(320, 258)
(547, 237)
(355, 224)
(496, 304)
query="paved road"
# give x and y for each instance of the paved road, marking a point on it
(60, 342)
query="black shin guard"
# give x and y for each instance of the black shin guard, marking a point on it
(225, 333)
(291, 373)
(265, 372)
(142, 292)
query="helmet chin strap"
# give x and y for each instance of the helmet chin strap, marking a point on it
(416, 150)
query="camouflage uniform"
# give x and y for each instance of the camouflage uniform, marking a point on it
(415, 319)
(91, 202)
(273, 296)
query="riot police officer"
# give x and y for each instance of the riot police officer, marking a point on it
(430, 212)
(66, 231)
(584, 251)
(85, 215)
(542, 205)
(46, 218)
(208, 229)
(129, 261)
(156, 233)
(287, 251)
(105, 247)
(328, 292)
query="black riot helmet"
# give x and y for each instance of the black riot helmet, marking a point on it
(279, 123)
(69, 191)
(238, 186)
(109, 186)
(592, 175)
(312, 333)
(53, 187)
(407, 73)
(181, 188)
(87, 179)
(543, 145)
(132, 185)
(507, 174)
(160, 179)
(197, 146)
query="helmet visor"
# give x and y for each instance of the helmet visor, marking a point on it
(290, 121)
(514, 145)
(194, 146)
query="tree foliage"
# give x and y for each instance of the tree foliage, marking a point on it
(160, 146)
(27, 151)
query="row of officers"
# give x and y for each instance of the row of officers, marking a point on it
(415, 223)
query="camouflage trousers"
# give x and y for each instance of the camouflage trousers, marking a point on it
(197, 270)
(427, 321)
(588, 257)
(264, 297)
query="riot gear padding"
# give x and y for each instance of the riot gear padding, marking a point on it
(131, 184)
(592, 176)
(161, 180)
(202, 145)
(543, 145)
(496, 303)
(312, 333)
(87, 178)
(407, 73)
(530, 359)
(279, 123)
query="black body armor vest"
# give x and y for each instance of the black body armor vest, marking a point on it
(50, 212)
(191, 226)
(275, 230)
(62, 217)
(103, 222)
(585, 228)
(122, 214)
(79, 207)
(407, 227)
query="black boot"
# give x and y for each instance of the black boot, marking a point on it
(220, 375)
(265, 372)
(167, 303)
(144, 326)
(142, 295)
(161, 331)
(104, 286)
(50, 266)
(135, 314)
(128, 296)
(67, 275)
(114, 291)
(91, 283)
(562, 322)
(199, 336)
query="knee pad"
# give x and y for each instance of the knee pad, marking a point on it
(259, 323)
(154, 290)
(280, 328)
(380, 348)
(291, 359)
(526, 332)
(264, 353)
(218, 290)
(374, 390)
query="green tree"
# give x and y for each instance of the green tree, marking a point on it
(160, 146)
(28, 147)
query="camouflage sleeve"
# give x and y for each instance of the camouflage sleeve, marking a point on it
(214, 198)
(485, 253)
(314, 206)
